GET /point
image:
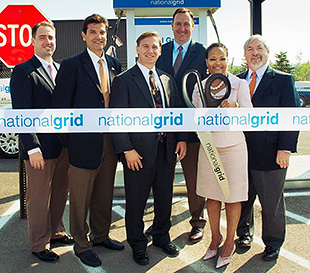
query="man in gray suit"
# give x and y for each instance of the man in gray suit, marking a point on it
(177, 57)
(269, 152)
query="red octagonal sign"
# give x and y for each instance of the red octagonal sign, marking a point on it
(16, 22)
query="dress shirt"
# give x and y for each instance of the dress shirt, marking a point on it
(145, 71)
(175, 51)
(45, 65)
(95, 60)
(259, 75)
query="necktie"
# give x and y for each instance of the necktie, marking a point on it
(158, 101)
(155, 91)
(104, 84)
(52, 74)
(178, 61)
(252, 84)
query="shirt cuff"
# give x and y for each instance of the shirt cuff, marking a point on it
(33, 151)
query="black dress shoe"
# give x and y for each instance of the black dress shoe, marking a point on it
(46, 255)
(141, 257)
(89, 257)
(245, 241)
(149, 230)
(111, 244)
(169, 248)
(64, 240)
(270, 254)
(196, 234)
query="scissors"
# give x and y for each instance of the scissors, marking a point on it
(206, 139)
(208, 100)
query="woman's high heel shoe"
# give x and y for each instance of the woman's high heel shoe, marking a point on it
(222, 261)
(211, 253)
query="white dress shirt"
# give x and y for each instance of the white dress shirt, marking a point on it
(145, 71)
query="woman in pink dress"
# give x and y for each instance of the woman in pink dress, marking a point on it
(233, 153)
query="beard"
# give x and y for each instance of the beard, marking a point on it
(257, 64)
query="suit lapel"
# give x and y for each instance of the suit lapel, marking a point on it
(167, 56)
(42, 72)
(263, 84)
(143, 86)
(112, 71)
(90, 69)
(164, 79)
(57, 66)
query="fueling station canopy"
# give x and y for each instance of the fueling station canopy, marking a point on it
(161, 8)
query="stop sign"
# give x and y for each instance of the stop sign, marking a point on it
(16, 22)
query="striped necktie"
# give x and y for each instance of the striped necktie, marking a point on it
(252, 84)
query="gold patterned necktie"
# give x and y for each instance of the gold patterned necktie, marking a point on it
(155, 91)
(158, 102)
(252, 84)
(178, 61)
(104, 84)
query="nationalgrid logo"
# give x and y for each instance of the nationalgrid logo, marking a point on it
(167, 2)
(56, 122)
(158, 122)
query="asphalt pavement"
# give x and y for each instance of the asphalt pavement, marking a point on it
(15, 254)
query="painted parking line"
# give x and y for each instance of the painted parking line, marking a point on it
(283, 252)
(187, 259)
(5, 217)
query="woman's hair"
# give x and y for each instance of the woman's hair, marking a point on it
(210, 47)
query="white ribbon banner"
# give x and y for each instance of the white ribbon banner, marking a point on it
(154, 120)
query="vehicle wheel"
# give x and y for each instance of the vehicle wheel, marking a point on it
(9, 145)
(303, 101)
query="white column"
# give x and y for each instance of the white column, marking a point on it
(131, 43)
(203, 26)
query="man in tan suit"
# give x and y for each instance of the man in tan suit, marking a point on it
(32, 85)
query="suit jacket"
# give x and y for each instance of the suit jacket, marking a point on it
(276, 89)
(195, 58)
(77, 86)
(32, 88)
(130, 90)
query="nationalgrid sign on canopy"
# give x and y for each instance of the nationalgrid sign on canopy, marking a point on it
(154, 120)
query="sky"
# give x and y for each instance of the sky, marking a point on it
(286, 27)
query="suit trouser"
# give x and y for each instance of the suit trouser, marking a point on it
(268, 185)
(137, 188)
(196, 203)
(46, 196)
(92, 190)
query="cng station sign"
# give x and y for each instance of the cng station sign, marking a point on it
(16, 22)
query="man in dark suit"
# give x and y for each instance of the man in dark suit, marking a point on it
(177, 62)
(148, 158)
(269, 152)
(32, 85)
(84, 81)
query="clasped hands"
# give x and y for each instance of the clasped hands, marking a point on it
(133, 158)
